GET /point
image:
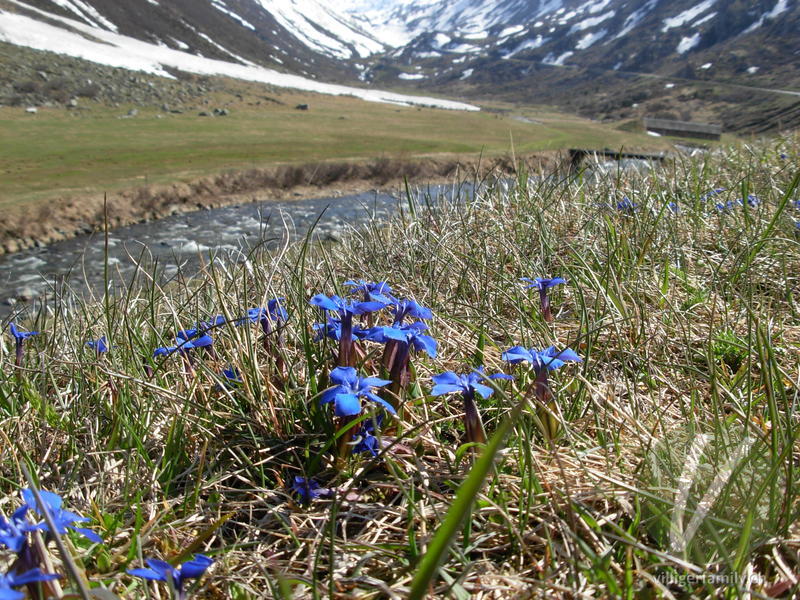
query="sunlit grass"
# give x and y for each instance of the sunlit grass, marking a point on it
(687, 325)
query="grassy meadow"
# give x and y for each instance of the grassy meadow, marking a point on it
(58, 152)
(663, 464)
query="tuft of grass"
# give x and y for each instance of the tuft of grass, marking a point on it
(674, 474)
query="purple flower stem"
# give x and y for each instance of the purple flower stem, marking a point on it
(345, 443)
(20, 353)
(546, 406)
(473, 425)
(345, 358)
(398, 372)
(547, 313)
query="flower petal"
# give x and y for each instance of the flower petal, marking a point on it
(446, 388)
(346, 405)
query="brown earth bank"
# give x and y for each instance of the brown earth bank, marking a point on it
(65, 217)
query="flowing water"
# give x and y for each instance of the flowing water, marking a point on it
(178, 244)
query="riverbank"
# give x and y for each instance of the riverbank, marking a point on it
(65, 218)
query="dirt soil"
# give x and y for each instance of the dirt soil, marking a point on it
(66, 217)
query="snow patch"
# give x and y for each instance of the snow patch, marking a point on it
(705, 66)
(537, 42)
(635, 18)
(87, 13)
(467, 74)
(688, 15)
(590, 38)
(781, 7)
(411, 76)
(320, 28)
(687, 43)
(753, 70)
(558, 62)
(591, 22)
(220, 6)
(511, 30)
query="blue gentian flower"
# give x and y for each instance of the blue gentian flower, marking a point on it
(627, 206)
(674, 208)
(19, 338)
(710, 194)
(273, 312)
(348, 390)
(192, 338)
(215, 321)
(448, 382)
(407, 334)
(752, 200)
(796, 204)
(175, 576)
(14, 531)
(346, 309)
(164, 351)
(308, 489)
(20, 335)
(402, 308)
(11, 580)
(231, 378)
(783, 156)
(366, 441)
(543, 284)
(548, 359)
(100, 346)
(372, 291)
(468, 385)
(63, 519)
(725, 206)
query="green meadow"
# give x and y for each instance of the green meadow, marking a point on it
(73, 153)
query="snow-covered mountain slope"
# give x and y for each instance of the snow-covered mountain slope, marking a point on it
(105, 46)
(469, 47)
(614, 34)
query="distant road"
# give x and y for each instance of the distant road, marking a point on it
(668, 78)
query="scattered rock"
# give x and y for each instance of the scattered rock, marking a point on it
(11, 246)
(221, 112)
(203, 113)
(43, 75)
(27, 294)
(302, 107)
(32, 110)
(73, 103)
(11, 301)
(133, 112)
(165, 107)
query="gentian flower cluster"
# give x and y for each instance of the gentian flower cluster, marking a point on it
(15, 537)
(346, 310)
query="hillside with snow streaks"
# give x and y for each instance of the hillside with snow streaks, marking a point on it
(109, 48)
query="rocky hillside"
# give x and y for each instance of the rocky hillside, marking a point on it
(729, 61)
